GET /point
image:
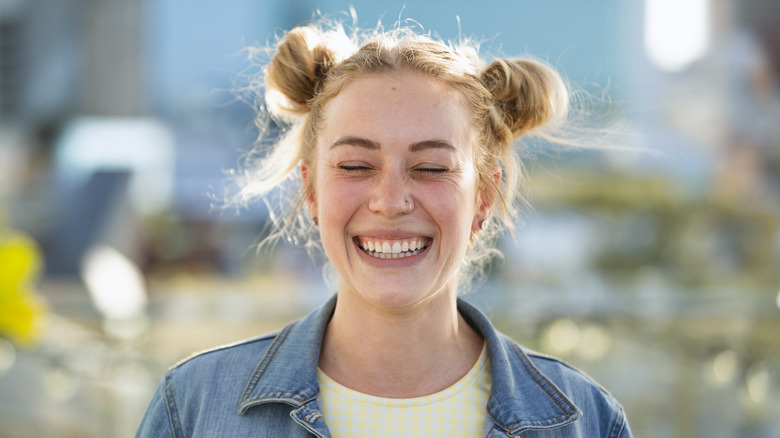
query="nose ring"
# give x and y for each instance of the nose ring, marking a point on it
(409, 210)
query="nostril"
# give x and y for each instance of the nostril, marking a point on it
(391, 207)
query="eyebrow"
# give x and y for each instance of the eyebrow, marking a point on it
(431, 144)
(414, 147)
(355, 141)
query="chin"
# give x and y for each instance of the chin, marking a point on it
(393, 299)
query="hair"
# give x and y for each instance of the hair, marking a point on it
(508, 98)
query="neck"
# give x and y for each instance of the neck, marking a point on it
(398, 353)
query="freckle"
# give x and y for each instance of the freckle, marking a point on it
(392, 88)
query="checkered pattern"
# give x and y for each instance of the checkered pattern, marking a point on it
(458, 411)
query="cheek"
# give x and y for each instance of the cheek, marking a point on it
(337, 199)
(452, 205)
(458, 195)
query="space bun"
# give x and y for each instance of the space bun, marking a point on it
(301, 63)
(527, 94)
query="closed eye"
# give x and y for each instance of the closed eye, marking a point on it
(431, 170)
(354, 168)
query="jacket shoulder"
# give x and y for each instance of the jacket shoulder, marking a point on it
(200, 394)
(562, 372)
(246, 347)
(222, 370)
(600, 409)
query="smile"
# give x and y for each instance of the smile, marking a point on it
(396, 249)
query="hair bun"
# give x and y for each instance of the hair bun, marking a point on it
(301, 63)
(527, 93)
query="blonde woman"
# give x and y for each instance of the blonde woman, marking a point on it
(402, 147)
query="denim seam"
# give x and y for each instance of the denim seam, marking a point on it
(311, 418)
(173, 409)
(496, 422)
(281, 396)
(263, 365)
(614, 430)
(536, 375)
(222, 347)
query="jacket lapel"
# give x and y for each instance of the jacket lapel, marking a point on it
(521, 397)
(288, 371)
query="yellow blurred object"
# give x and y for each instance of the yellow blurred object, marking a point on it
(20, 309)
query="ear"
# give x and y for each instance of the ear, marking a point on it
(486, 199)
(311, 198)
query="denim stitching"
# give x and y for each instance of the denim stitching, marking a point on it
(279, 394)
(612, 430)
(173, 409)
(498, 423)
(536, 376)
(311, 418)
(263, 365)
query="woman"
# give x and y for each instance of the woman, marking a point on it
(403, 150)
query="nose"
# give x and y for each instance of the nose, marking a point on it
(390, 194)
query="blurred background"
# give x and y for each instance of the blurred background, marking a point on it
(656, 272)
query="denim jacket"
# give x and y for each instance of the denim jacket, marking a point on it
(267, 387)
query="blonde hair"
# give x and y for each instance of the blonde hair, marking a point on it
(509, 99)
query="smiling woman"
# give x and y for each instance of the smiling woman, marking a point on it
(415, 183)
(403, 149)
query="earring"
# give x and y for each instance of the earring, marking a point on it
(484, 224)
(316, 221)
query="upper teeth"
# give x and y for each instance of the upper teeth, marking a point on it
(392, 248)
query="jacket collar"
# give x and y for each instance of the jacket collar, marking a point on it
(288, 371)
(521, 396)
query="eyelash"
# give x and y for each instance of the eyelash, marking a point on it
(431, 170)
(354, 168)
(423, 170)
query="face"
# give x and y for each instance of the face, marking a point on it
(388, 143)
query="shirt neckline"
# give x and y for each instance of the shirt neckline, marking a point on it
(480, 367)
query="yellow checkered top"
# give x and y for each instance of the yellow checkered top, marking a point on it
(458, 411)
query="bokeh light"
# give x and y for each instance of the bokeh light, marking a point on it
(7, 356)
(563, 336)
(777, 300)
(595, 342)
(676, 32)
(725, 367)
(115, 284)
(758, 383)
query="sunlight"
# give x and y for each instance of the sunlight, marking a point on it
(676, 32)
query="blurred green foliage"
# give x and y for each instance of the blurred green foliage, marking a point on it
(696, 240)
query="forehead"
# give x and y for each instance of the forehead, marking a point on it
(398, 108)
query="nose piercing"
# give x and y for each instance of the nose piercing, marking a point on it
(409, 210)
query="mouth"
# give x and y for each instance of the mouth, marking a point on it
(392, 249)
